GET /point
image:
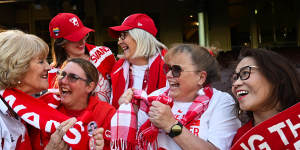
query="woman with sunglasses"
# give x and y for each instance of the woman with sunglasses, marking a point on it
(190, 114)
(77, 81)
(70, 37)
(141, 67)
(23, 72)
(264, 84)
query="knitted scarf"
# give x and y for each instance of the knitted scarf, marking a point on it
(123, 124)
(39, 115)
(148, 133)
(120, 77)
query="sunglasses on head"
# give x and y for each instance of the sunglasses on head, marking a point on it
(71, 77)
(244, 73)
(175, 70)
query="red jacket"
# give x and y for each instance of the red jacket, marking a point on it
(157, 77)
(102, 113)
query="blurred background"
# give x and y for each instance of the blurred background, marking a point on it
(226, 26)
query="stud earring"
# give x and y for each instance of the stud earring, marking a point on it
(19, 82)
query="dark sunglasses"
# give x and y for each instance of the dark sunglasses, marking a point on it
(175, 70)
(71, 77)
(244, 73)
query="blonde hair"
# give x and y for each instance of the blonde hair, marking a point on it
(146, 44)
(17, 49)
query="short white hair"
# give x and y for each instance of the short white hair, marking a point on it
(146, 44)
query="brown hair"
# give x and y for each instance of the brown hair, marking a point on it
(201, 57)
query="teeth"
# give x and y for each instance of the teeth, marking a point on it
(241, 93)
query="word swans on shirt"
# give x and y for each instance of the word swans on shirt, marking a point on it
(43, 117)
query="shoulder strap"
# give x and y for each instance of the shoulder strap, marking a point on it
(10, 110)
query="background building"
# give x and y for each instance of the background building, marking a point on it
(228, 25)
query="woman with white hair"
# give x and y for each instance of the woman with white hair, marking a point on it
(141, 67)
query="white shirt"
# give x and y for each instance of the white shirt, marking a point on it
(138, 73)
(10, 129)
(218, 124)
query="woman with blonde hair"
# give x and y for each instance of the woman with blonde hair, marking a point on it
(141, 67)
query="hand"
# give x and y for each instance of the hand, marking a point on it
(98, 137)
(56, 142)
(126, 97)
(161, 116)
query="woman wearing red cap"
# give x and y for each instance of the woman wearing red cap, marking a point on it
(70, 42)
(141, 67)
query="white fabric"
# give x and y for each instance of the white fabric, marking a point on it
(138, 73)
(10, 130)
(218, 124)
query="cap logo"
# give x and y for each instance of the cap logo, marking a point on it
(56, 31)
(139, 24)
(74, 21)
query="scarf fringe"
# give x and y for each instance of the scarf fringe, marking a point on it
(122, 144)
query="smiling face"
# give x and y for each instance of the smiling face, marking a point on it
(74, 93)
(128, 44)
(185, 87)
(254, 93)
(75, 49)
(36, 78)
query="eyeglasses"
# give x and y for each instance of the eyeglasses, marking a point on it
(244, 73)
(123, 35)
(71, 77)
(175, 69)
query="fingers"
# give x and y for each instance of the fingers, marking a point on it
(126, 97)
(98, 136)
(65, 126)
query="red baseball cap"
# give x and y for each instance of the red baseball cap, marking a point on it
(141, 21)
(68, 26)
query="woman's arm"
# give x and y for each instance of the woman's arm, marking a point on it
(161, 116)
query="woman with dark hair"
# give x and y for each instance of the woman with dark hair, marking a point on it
(70, 37)
(77, 80)
(265, 84)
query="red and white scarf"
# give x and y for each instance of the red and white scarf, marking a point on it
(38, 114)
(123, 124)
(120, 77)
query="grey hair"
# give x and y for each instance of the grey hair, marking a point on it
(146, 44)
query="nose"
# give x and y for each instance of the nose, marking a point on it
(120, 41)
(237, 82)
(47, 67)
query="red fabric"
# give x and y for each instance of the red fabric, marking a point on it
(148, 133)
(100, 56)
(101, 112)
(138, 20)
(41, 116)
(157, 78)
(68, 26)
(277, 133)
(242, 130)
(24, 145)
(123, 127)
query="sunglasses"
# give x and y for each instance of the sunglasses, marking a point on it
(71, 77)
(175, 70)
(244, 73)
(123, 35)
